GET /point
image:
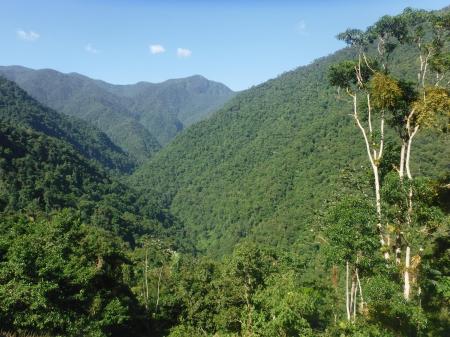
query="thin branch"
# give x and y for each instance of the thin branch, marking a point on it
(369, 107)
(363, 131)
(367, 63)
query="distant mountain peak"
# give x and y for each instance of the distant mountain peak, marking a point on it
(158, 110)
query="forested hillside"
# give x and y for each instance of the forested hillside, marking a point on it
(314, 204)
(19, 109)
(322, 194)
(262, 166)
(168, 107)
(67, 224)
(136, 117)
(50, 161)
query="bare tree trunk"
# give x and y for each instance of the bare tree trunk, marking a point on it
(374, 159)
(384, 241)
(347, 299)
(146, 278)
(377, 192)
(352, 296)
(157, 293)
(411, 134)
(407, 287)
(408, 151)
(354, 300)
(401, 169)
(361, 304)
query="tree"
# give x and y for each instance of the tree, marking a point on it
(410, 107)
(62, 277)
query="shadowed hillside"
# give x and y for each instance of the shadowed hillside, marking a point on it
(263, 165)
(139, 117)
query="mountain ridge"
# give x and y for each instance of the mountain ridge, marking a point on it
(138, 117)
(20, 109)
(267, 141)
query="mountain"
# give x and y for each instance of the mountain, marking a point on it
(49, 161)
(168, 107)
(19, 109)
(265, 164)
(79, 96)
(274, 190)
(136, 117)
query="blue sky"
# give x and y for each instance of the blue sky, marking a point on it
(240, 43)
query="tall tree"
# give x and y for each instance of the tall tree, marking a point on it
(409, 107)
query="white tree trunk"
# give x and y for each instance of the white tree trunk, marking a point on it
(347, 299)
(354, 286)
(146, 277)
(408, 152)
(401, 169)
(361, 305)
(157, 294)
(352, 296)
(377, 192)
(374, 159)
(407, 286)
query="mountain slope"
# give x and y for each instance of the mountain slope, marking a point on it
(19, 109)
(137, 117)
(79, 96)
(265, 163)
(168, 107)
(48, 162)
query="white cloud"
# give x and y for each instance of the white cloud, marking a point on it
(300, 27)
(27, 36)
(156, 49)
(182, 52)
(90, 49)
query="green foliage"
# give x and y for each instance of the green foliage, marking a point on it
(388, 308)
(389, 28)
(271, 184)
(436, 279)
(342, 74)
(44, 166)
(434, 102)
(353, 37)
(254, 292)
(139, 117)
(265, 164)
(285, 308)
(19, 109)
(62, 277)
(385, 91)
(43, 173)
(350, 231)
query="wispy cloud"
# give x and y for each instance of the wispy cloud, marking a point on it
(300, 28)
(157, 49)
(90, 49)
(183, 52)
(27, 36)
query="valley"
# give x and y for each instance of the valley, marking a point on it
(316, 203)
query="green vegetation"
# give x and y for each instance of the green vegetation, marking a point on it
(64, 278)
(264, 165)
(19, 109)
(136, 117)
(47, 163)
(168, 107)
(316, 204)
